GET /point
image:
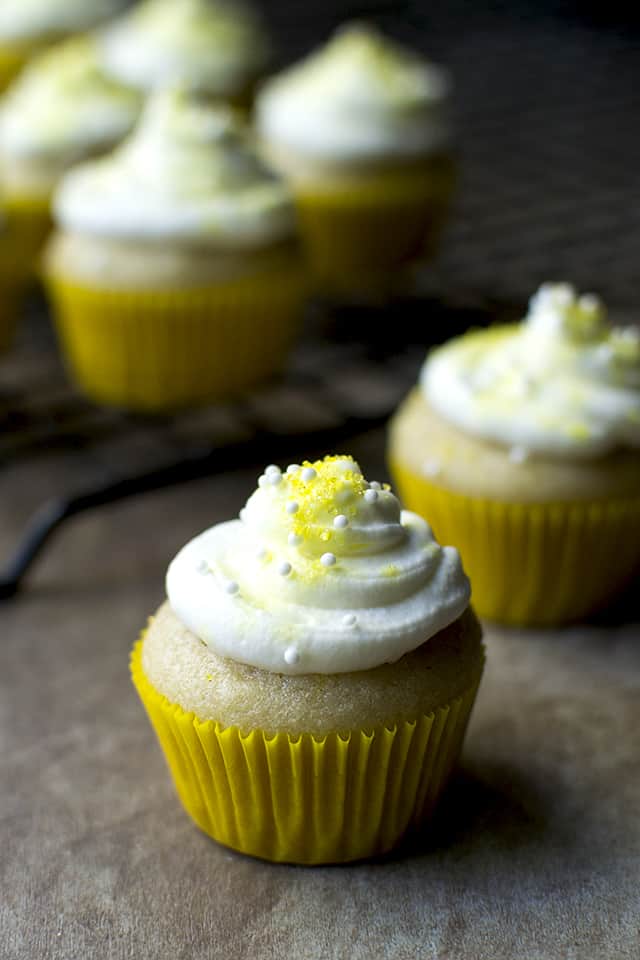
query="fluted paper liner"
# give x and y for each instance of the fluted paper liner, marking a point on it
(28, 224)
(12, 60)
(161, 350)
(532, 563)
(357, 238)
(307, 799)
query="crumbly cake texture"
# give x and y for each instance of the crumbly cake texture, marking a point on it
(187, 672)
(423, 442)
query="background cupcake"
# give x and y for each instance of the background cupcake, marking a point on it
(522, 447)
(175, 274)
(216, 47)
(26, 26)
(361, 129)
(12, 284)
(311, 677)
(60, 110)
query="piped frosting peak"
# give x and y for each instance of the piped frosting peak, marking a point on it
(322, 573)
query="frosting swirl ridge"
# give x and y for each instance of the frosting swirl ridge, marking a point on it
(565, 382)
(322, 573)
(22, 20)
(216, 47)
(360, 96)
(187, 173)
(63, 105)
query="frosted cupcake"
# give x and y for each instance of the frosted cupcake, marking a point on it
(216, 47)
(60, 110)
(175, 274)
(361, 129)
(12, 283)
(27, 26)
(311, 677)
(521, 446)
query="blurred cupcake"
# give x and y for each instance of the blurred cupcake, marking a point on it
(311, 677)
(522, 447)
(27, 26)
(361, 129)
(12, 283)
(60, 110)
(217, 48)
(175, 273)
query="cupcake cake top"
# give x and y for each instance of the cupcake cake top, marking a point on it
(25, 20)
(322, 573)
(62, 105)
(186, 173)
(563, 382)
(361, 96)
(216, 47)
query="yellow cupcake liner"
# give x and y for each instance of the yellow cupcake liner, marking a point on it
(358, 236)
(307, 799)
(532, 563)
(12, 59)
(12, 288)
(28, 225)
(161, 350)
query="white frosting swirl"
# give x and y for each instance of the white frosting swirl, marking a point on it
(322, 573)
(62, 105)
(216, 47)
(23, 20)
(564, 382)
(360, 96)
(185, 173)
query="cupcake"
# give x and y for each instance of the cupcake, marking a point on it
(311, 676)
(521, 445)
(361, 129)
(60, 110)
(174, 273)
(11, 285)
(217, 48)
(27, 26)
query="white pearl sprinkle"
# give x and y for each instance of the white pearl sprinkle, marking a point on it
(272, 468)
(308, 474)
(349, 620)
(243, 514)
(231, 587)
(371, 496)
(291, 655)
(294, 540)
(263, 481)
(340, 522)
(374, 485)
(292, 507)
(518, 454)
(284, 568)
(203, 567)
(274, 478)
(328, 559)
(293, 468)
(262, 553)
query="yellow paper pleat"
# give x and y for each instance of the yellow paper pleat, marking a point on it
(356, 239)
(532, 563)
(307, 799)
(12, 59)
(163, 350)
(28, 226)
